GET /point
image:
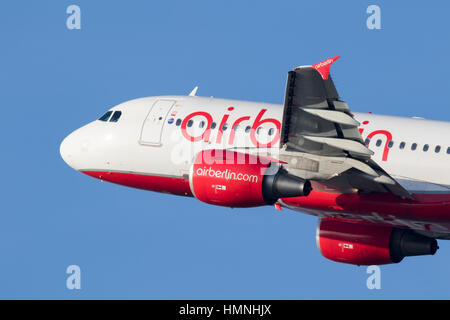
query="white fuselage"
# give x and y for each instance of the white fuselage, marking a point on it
(149, 143)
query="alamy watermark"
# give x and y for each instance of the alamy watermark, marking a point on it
(73, 281)
(374, 280)
(373, 22)
(73, 21)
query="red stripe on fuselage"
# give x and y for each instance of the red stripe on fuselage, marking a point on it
(427, 207)
(171, 185)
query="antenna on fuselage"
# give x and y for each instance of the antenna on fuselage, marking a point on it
(193, 92)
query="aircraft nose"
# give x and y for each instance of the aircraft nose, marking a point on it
(66, 150)
(73, 148)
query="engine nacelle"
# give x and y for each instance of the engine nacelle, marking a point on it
(367, 244)
(234, 179)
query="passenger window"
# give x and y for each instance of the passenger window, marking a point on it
(201, 124)
(236, 127)
(437, 149)
(378, 142)
(426, 147)
(448, 150)
(414, 146)
(258, 131)
(178, 122)
(248, 128)
(402, 145)
(390, 144)
(115, 117)
(190, 123)
(367, 141)
(106, 116)
(213, 125)
(271, 131)
(225, 126)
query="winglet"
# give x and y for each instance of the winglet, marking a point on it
(193, 92)
(324, 67)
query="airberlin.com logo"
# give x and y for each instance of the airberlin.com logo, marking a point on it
(226, 174)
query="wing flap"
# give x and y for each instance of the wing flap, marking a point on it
(343, 144)
(334, 116)
(318, 125)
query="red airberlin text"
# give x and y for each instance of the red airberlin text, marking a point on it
(385, 133)
(226, 174)
(206, 134)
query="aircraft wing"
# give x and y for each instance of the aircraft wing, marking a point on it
(320, 138)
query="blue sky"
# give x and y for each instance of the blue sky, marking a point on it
(142, 245)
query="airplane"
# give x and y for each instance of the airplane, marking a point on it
(378, 184)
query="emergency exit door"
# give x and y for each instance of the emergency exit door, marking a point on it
(154, 122)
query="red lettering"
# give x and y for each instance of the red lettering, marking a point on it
(237, 122)
(388, 138)
(258, 122)
(222, 123)
(361, 130)
(205, 135)
(220, 132)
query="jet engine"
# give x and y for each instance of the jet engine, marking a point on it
(235, 179)
(367, 244)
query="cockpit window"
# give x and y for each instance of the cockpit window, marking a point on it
(116, 116)
(106, 116)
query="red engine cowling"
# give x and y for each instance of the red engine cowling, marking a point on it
(368, 244)
(234, 179)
